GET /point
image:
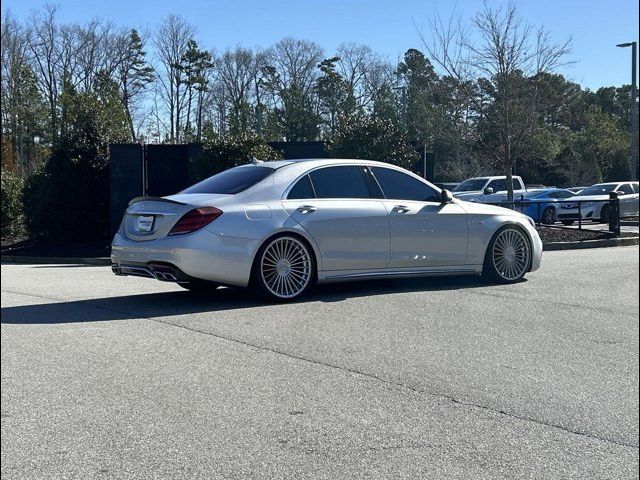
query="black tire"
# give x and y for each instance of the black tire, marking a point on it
(567, 222)
(199, 286)
(260, 276)
(548, 216)
(605, 214)
(491, 272)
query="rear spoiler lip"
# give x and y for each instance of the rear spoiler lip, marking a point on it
(154, 199)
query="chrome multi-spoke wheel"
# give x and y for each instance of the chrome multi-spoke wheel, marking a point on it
(286, 267)
(510, 254)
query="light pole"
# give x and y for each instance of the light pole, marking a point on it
(633, 151)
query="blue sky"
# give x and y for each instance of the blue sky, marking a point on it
(386, 26)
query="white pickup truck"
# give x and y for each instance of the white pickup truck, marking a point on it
(477, 189)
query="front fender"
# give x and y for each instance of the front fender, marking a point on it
(482, 228)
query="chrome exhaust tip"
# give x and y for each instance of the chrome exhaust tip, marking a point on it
(165, 276)
(163, 273)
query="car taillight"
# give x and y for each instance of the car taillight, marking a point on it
(195, 219)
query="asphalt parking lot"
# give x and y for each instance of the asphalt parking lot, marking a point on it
(110, 377)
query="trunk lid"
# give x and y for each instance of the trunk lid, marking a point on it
(198, 199)
(149, 218)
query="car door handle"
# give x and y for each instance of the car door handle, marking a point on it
(306, 209)
(401, 208)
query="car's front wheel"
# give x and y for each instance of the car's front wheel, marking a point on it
(284, 268)
(508, 256)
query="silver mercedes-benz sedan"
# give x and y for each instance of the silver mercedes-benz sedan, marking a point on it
(282, 226)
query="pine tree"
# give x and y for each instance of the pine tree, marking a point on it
(135, 74)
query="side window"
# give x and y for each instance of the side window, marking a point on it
(517, 184)
(302, 189)
(400, 186)
(625, 189)
(636, 189)
(339, 182)
(498, 186)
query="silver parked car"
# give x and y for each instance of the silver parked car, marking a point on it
(284, 225)
(594, 203)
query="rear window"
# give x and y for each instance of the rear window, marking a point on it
(231, 181)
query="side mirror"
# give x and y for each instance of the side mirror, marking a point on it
(488, 191)
(446, 196)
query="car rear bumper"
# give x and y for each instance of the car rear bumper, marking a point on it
(201, 255)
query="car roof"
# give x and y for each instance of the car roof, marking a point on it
(492, 177)
(313, 162)
(287, 171)
(614, 183)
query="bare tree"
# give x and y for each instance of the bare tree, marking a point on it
(356, 64)
(237, 71)
(98, 49)
(503, 46)
(171, 42)
(295, 63)
(43, 45)
(507, 47)
(20, 99)
(290, 76)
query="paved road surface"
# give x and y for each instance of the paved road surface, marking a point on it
(109, 377)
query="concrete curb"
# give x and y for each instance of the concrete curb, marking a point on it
(18, 259)
(608, 242)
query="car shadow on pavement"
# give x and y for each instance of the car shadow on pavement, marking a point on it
(164, 304)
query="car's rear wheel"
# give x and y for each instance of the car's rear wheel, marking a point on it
(605, 214)
(284, 268)
(549, 216)
(508, 256)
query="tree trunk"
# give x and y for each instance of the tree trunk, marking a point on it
(508, 160)
(127, 111)
(130, 122)
(190, 99)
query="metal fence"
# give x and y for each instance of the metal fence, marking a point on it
(567, 212)
(155, 170)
